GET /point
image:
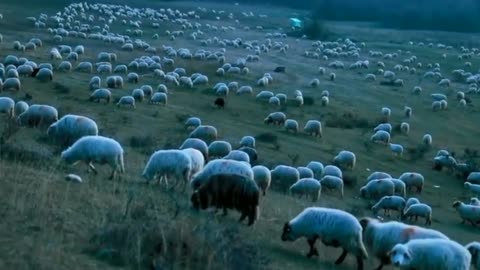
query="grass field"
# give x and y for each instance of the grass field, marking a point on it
(47, 223)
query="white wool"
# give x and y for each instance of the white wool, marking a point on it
(313, 127)
(378, 188)
(474, 249)
(473, 188)
(317, 168)
(427, 254)
(101, 94)
(305, 172)
(387, 203)
(474, 178)
(197, 157)
(7, 106)
(284, 176)
(219, 149)
(332, 170)
(275, 118)
(413, 179)
(384, 126)
(333, 183)
(159, 98)
(193, 122)
(307, 186)
(411, 201)
(345, 160)
(164, 163)
(38, 115)
(126, 101)
(248, 141)
(470, 213)
(475, 201)
(291, 125)
(20, 107)
(262, 177)
(222, 167)
(378, 175)
(238, 156)
(396, 148)
(419, 210)
(405, 128)
(380, 136)
(400, 187)
(205, 132)
(71, 127)
(427, 139)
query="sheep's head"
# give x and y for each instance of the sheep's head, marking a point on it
(287, 234)
(457, 204)
(400, 256)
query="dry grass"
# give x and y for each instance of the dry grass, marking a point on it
(47, 223)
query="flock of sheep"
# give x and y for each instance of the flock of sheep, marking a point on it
(225, 178)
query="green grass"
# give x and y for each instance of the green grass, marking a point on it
(47, 223)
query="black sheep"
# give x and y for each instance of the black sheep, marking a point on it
(220, 103)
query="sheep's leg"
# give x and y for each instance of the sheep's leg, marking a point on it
(342, 257)
(313, 250)
(90, 165)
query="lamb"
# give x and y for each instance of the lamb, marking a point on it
(126, 101)
(276, 118)
(218, 149)
(238, 155)
(333, 183)
(164, 163)
(412, 179)
(221, 167)
(71, 128)
(425, 254)
(333, 171)
(397, 149)
(7, 105)
(305, 172)
(262, 177)
(101, 94)
(20, 107)
(192, 122)
(159, 98)
(470, 213)
(474, 249)
(248, 141)
(381, 137)
(317, 169)
(378, 188)
(229, 192)
(38, 116)
(205, 132)
(334, 228)
(98, 149)
(284, 176)
(198, 159)
(313, 128)
(291, 125)
(388, 203)
(419, 210)
(307, 186)
(380, 237)
(345, 160)
(196, 144)
(473, 188)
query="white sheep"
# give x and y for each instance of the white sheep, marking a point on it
(405, 128)
(383, 126)
(284, 176)
(291, 125)
(413, 179)
(381, 137)
(159, 98)
(314, 83)
(378, 175)
(408, 111)
(197, 157)
(126, 101)
(138, 94)
(470, 213)
(238, 156)
(425, 254)
(411, 201)
(165, 163)
(221, 167)
(474, 249)
(317, 169)
(474, 178)
(38, 115)
(332, 170)
(400, 187)
(474, 201)
(262, 177)
(419, 210)
(72, 127)
(7, 105)
(345, 160)
(386, 112)
(380, 237)
(305, 172)
(307, 186)
(276, 118)
(20, 107)
(334, 228)
(12, 84)
(325, 101)
(205, 132)
(333, 183)
(378, 188)
(218, 149)
(427, 140)
(248, 141)
(388, 203)
(473, 188)
(192, 122)
(313, 127)
(397, 149)
(97, 149)
(101, 94)
(196, 144)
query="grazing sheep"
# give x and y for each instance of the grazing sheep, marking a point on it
(238, 156)
(381, 137)
(221, 167)
(333, 183)
(229, 192)
(474, 249)
(425, 254)
(196, 144)
(72, 127)
(345, 160)
(164, 163)
(377, 189)
(7, 105)
(192, 122)
(384, 126)
(396, 148)
(380, 237)
(247, 141)
(400, 187)
(325, 101)
(388, 203)
(419, 210)
(126, 101)
(317, 169)
(276, 118)
(473, 188)
(314, 83)
(197, 157)
(97, 149)
(474, 178)
(20, 107)
(307, 186)
(475, 201)
(262, 177)
(386, 112)
(251, 152)
(427, 140)
(405, 128)
(138, 94)
(305, 172)
(335, 228)
(378, 175)
(412, 179)
(159, 98)
(291, 125)
(219, 149)
(284, 176)
(408, 111)
(333, 171)
(470, 213)
(114, 82)
(313, 128)
(101, 94)
(205, 132)
(411, 201)
(12, 84)
(38, 116)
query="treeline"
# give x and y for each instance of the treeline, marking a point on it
(448, 15)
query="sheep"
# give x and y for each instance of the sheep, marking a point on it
(388, 203)
(229, 191)
(284, 176)
(345, 160)
(425, 254)
(291, 125)
(218, 149)
(474, 178)
(470, 213)
(381, 137)
(314, 83)
(473, 188)
(126, 101)
(325, 101)
(386, 112)
(333, 171)
(248, 141)
(475, 201)
(85, 67)
(20, 107)
(196, 144)
(251, 152)
(405, 128)
(333, 183)
(73, 178)
(159, 98)
(307, 186)
(101, 94)
(417, 90)
(317, 169)
(407, 111)
(97, 149)
(413, 179)
(138, 94)
(384, 126)
(370, 77)
(378, 175)
(72, 127)
(7, 105)
(262, 177)
(114, 82)
(474, 249)
(238, 155)
(313, 128)
(427, 140)
(400, 187)
(411, 201)
(12, 84)
(164, 163)
(334, 227)
(380, 237)
(276, 118)
(221, 167)
(192, 122)
(419, 210)
(305, 172)
(396, 148)
(197, 157)
(378, 188)
(38, 116)
(205, 132)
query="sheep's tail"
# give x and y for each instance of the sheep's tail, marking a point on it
(121, 163)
